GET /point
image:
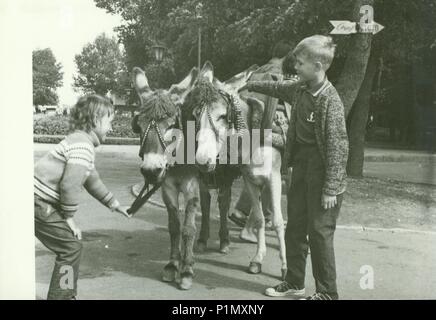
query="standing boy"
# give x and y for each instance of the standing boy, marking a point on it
(317, 149)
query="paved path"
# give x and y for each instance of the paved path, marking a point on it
(123, 258)
(407, 166)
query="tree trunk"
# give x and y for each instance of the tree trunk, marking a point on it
(352, 76)
(349, 85)
(357, 120)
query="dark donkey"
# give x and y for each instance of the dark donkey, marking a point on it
(157, 122)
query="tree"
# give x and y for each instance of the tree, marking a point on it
(46, 77)
(410, 27)
(101, 67)
(237, 34)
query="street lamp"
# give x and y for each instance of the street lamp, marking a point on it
(158, 51)
(199, 16)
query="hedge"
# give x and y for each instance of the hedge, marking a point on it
(57, 125)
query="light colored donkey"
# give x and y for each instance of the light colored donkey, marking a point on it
(213, 102)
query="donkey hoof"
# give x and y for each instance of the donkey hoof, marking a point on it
(284, 272)
(255, 267)
(224, 248)
(169, 273)
(186, 281)
(201, 246)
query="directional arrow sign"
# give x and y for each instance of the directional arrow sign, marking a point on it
(348, 27)
(343, 27)
(373, 27)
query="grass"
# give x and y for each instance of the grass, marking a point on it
(378, 203)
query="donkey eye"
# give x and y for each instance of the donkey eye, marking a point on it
(222, 117)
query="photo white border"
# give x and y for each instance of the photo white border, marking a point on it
(17, 240)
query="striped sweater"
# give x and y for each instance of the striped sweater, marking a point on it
(61, 174)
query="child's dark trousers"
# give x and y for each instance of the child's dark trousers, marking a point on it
(53, 231)
(309, 225)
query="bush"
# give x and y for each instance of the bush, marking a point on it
(58, 125)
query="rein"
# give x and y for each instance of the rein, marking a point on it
(141, 199)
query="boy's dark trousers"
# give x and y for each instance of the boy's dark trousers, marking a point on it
(310, 225)
(53, 231)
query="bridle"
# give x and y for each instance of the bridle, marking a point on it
(234, 122)
(153, 125)
(234, 117)
(145, 192)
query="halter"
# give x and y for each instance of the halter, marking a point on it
(153, 125)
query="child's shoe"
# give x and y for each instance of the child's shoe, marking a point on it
(320, 296)
(285, 290)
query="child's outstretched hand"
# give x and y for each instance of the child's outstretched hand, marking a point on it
(123, 210)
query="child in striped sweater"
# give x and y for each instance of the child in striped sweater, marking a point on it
(58, 180)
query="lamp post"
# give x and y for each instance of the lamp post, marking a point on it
(158, 51)
(199, 16)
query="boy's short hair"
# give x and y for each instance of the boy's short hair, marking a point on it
(88, 110)
(317, 48)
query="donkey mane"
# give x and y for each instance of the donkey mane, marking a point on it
(203, 92)
(159, 106)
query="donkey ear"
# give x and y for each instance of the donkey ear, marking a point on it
(179, 91)
(140, 82)
(184, 85)
(207, 71)
(239, 80)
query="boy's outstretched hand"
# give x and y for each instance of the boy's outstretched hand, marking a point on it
(328, 202)
(123, 211)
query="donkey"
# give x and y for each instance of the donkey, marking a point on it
(217, 107)
(221, 178)
(159, 116)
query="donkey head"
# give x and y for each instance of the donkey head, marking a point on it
(156, 122)
(215, 111)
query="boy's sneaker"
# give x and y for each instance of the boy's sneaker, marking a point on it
(320, 296)
(285, 290)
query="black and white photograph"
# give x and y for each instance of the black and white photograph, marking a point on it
(218, 150)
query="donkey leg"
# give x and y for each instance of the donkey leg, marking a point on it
(258, 221)
(188, 236)
(275, 190)
(171, 199)
(205, 219)
(224, 199)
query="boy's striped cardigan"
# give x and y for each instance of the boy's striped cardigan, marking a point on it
(62, 173)
(330, 129)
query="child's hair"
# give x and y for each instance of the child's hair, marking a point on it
(88, 110)
(317, 48)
